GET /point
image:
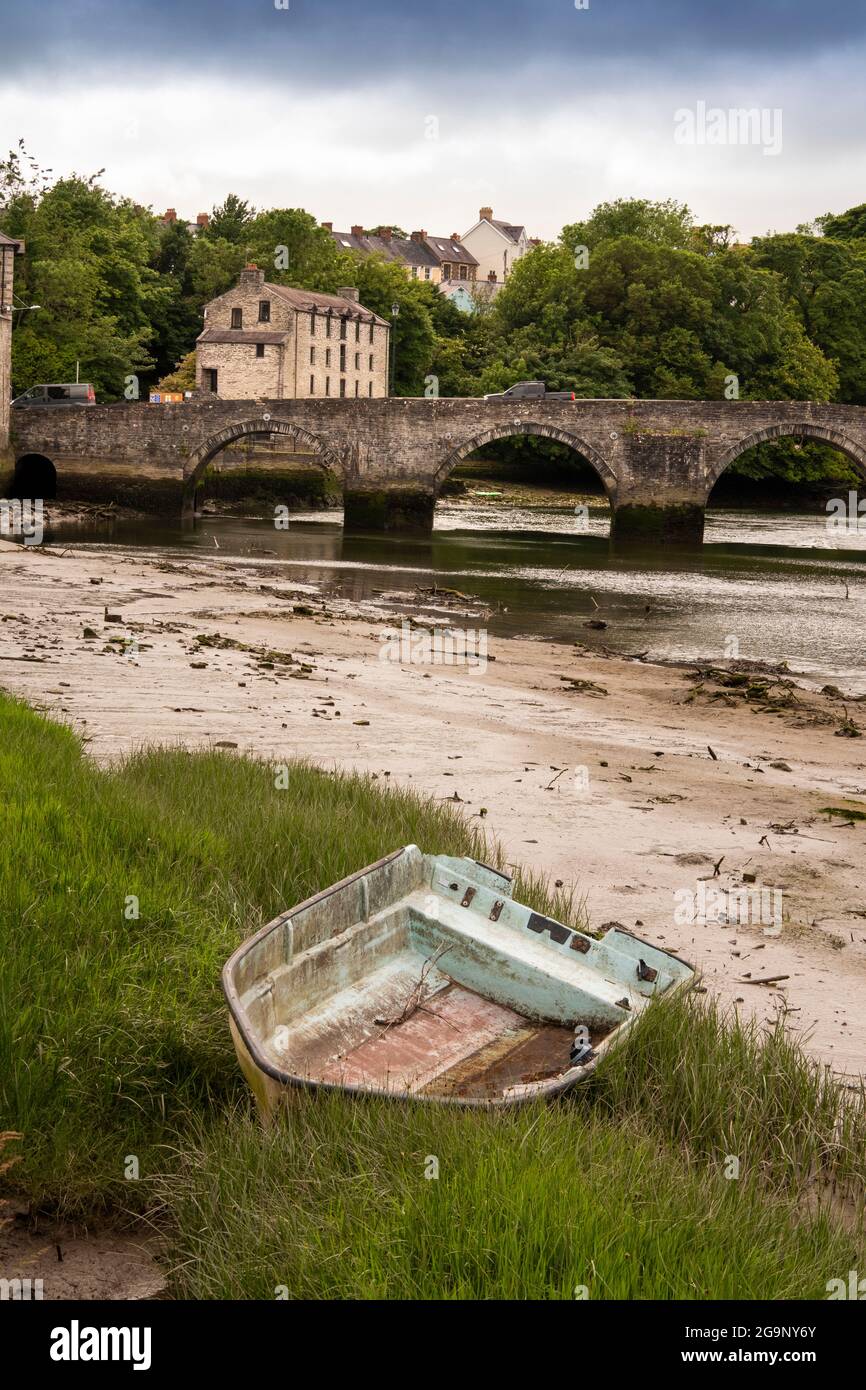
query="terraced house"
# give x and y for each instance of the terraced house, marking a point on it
(276, 342)
(439, 259)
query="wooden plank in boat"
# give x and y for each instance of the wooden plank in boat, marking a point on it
(451, 1026)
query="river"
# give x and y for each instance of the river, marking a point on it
(772, 586)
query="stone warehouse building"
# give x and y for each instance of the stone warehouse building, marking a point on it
(8, 251)
(279, 343)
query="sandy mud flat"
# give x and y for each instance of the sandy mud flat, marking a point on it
(639, 787)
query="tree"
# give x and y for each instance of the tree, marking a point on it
(88, 264)
(230, 221)
(826, 282)
(293, 249)
(667, 223)
(183, 376)
(846, 226)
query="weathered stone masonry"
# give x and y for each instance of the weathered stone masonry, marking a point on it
(658, 460)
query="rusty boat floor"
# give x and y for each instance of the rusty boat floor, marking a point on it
(453, 1043)
(422, 977)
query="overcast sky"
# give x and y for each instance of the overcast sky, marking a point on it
(417, 112)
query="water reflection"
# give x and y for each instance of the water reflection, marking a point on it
(772, 584)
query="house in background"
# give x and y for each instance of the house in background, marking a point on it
(9, 249)
(469, 296)
(170, 216)
(422, 257)
(279, 343)
(496, 246)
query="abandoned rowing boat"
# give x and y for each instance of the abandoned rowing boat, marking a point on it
(420, 976)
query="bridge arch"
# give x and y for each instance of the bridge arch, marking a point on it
(35, 476)
(260, 428)
(516, 427)
(802, 429)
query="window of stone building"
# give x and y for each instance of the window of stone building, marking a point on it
(342, 328)
(237, 318)
(327, 386)
(426, 272)
(327, 357)
(371, 361)
(342, 386)
(446, 271)
(312, 356)
(328, 326)
(356, 388)
(210, 379)
(342, 357)
(463, 272)
(312, 386)
(357, 330)
(264, 311)
(370, 389)
(260, 349)
(357, 361)
(372, 326)
(313, 322)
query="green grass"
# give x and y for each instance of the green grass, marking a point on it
(114, 1043)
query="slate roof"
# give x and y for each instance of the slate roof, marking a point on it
(512, 232)
(447, 250)
(307, 300)
(431, 252)
(396, 249)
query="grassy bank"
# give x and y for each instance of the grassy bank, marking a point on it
(121, 894)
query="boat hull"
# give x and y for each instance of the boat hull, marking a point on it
(421, 978)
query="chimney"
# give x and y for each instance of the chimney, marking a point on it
(251, 277)
(385, 233)
(455, 236)
(491, 277)
(357, 231)
(419, 236)
(328, 226)
(202, 219)
(170, 215)
(485, 214)
(349, 292)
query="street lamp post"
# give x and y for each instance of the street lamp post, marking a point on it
(395, 314)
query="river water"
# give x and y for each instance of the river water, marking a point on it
(770, 586)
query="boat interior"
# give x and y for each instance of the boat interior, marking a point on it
(422, 976)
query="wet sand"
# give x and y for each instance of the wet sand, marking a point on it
(617, 793)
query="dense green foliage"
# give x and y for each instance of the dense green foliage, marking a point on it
(114, 1042)
(637, 300)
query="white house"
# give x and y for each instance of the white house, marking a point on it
(495, 245)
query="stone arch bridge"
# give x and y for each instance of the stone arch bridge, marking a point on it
(657, 460)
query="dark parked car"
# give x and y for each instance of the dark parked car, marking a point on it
(58, 393)
(529, 390)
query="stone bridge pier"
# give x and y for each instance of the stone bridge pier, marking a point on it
(657, 461)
